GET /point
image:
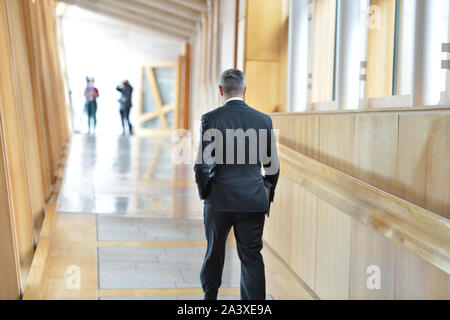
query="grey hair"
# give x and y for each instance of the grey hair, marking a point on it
(233, 82)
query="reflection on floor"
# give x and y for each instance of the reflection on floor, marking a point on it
(126, 176)
(159, 267)
(130, 222)
(144, 229)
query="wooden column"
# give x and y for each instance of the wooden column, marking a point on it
(38, 99)
(52, 26)
(9, 266)
(14, 151)
(49, 89)
(26, 111)
(380, 59)
(322, 82)
(55, 86)
(184, 89)
(33, 129)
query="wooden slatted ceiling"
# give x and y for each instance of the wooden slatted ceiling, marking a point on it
(175, 18)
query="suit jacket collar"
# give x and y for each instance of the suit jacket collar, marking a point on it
(235, 102)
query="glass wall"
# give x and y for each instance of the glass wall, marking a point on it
(386, 51)
(310, 46)
(445, 77)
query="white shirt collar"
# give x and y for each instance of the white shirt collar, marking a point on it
(234, 99)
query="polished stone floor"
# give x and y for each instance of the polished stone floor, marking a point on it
(131, 222)
(112, 228)
(159, 267)
(126, 176)
(149, 226)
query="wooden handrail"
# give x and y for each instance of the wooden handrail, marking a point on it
(416, 229)
(360, 111)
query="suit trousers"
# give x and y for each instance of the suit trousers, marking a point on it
(91, 110)
(125, 117)
(248, 230)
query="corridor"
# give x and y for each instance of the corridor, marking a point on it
(129, 223)
(357, 91)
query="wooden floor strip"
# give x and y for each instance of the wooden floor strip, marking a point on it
(34, 284)
(32, 289)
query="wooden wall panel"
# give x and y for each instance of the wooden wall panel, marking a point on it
(61, 94)
(33, 58)
(262, 52)
(322, 81)
(306, 136)
(263, 30)
(52, 125)
(304, 235)
(260, 49)
(333, 252)
(416, 279)
(337, 142)
(56, 103)
(402, 151)
(371, 249)
(285, 129)
(278, 226)
(33, 127)
(262, 85)
(300, 133)
(376, 145)
(371, 145)
(206, 63)
(424, 149)
(42, 71)
(9, 266)
(26, 112)
(45, 82)
(14, 150)
(380, 59)
(58, 80)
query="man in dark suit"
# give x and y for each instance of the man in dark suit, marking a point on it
(237, 142)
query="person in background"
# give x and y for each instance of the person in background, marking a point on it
(125, 104)
(90, 107)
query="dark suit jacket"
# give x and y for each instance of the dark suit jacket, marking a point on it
(237, 187)
(125, 99)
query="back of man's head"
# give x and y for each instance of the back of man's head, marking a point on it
(233, 82)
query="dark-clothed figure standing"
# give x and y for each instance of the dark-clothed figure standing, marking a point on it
(125, 104)
(90, 107)
(236, 194)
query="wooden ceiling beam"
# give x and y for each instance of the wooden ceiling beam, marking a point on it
(186, 33)
(114, 13)
(197, 5)
(173, 9)
(146, 12)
